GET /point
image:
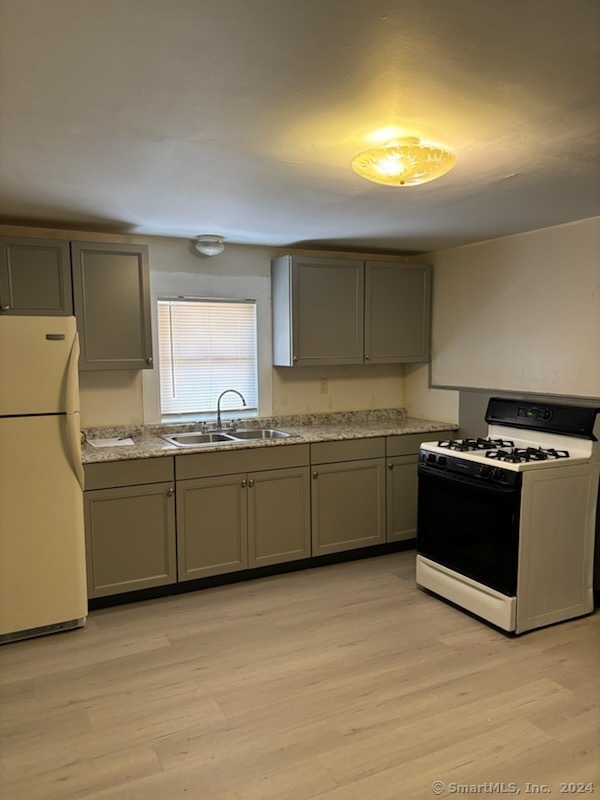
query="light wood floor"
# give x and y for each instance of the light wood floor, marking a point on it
(338, 683)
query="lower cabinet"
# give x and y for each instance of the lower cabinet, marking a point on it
(130, 529)
(212, 526)
(402, 498)
(348, 496)
(242, 520)
(278, 516)
(402, 482)
(242, 509)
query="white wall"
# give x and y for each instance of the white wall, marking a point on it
(520, 313)
(424, 402)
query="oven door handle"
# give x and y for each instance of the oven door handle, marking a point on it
(464, 481)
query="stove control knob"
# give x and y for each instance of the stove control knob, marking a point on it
(442, 460)
(486, 472)
(431, 458)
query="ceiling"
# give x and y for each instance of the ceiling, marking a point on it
(240, 117)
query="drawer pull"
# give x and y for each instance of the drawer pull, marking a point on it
(315, 474)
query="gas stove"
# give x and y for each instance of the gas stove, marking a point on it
(512, 448)
(506, 522)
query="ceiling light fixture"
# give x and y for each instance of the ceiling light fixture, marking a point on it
(404, 162)
(209, 245)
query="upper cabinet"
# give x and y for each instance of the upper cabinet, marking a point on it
(318, 311)
(112, 305)
(106, 286)
(332, 311)
(35, 277)
(397, 306)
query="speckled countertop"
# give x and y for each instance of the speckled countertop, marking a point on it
(305, 429)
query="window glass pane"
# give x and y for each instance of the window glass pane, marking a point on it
(205, 347)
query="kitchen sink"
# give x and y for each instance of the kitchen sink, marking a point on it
(260, 433)
(194, 439)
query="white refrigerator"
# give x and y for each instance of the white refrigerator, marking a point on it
(42, 546)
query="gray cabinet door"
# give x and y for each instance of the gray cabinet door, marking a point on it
(318, 311)
(112, 305)
(278, 516)
(402, 498)
(212, 531)
(348, 505)
(35, 277)
(397, 312)
(130, 538)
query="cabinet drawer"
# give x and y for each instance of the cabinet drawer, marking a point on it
(410, 443)
(203, 465)
(128, 473)
(349, 450)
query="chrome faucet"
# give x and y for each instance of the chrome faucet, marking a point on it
(239, 394)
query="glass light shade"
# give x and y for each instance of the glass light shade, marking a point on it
(209, 245)
(405, 162)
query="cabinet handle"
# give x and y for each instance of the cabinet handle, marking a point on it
(315, 474)
(170, 492)
(149, 360)
(367, 358)
(5, 308)
(243, 484)
(250, 483)
(390, 466)
(295, 358)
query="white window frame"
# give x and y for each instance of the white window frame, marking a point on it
(231, 404)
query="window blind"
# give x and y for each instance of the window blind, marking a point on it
(205, 347)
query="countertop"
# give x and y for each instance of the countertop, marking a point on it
(305, 429)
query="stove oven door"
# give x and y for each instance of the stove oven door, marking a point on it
(470, 527)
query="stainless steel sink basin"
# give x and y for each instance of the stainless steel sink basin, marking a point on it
(260, 433)
(193, 439)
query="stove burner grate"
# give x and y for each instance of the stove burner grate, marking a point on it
(519, 455)
(469, 445)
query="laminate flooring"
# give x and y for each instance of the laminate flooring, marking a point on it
(343, 682)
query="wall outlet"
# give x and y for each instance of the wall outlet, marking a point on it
(323, 386)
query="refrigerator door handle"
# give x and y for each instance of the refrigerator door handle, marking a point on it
(74, 444)
(72, 409)
(72, 386)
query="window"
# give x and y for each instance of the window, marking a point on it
(205, 347)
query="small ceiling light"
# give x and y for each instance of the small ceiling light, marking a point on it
(404, 162)
(209, 245)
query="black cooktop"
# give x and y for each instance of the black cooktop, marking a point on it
(470, 445)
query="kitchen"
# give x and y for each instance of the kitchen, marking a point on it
(561, 257)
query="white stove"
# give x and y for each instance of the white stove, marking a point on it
(506, 522)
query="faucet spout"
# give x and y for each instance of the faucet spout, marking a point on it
(235, 391)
